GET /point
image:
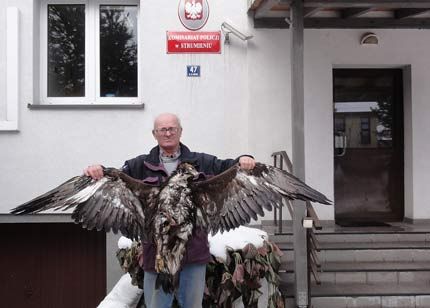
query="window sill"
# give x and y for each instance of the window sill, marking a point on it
(85, 106)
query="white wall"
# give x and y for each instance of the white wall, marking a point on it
(2, 60)
(325, 49)
(269, 96)
(240, 104)
(53, 145)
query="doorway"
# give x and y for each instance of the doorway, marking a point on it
(368, 146)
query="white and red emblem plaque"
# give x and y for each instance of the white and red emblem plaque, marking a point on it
(193, 42)
(193, 14)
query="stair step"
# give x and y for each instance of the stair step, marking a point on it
(368, 289)
(360, 237)
(347, 252)
(364, 277)
(329, 227)
(376, 266)
(363, 245)
(419, 301)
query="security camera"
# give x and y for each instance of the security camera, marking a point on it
(228, 27)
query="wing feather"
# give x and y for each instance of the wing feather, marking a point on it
(233, 197)
(236, 218)
(228, 222)
(113, 219)
(243, 213)
(109, 203)
(249, 209)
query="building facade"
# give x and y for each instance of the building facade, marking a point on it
(51, 128)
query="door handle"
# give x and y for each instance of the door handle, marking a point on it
(340, 143)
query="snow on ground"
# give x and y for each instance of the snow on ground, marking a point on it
(123, 295)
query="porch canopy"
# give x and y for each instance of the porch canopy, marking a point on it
(344, 14)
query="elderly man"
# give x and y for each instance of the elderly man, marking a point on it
(154, 168)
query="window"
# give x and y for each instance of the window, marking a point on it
(89, 52)
(365, 130)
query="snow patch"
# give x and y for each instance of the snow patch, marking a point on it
(124, 243)
(123, 295)
(235, 239)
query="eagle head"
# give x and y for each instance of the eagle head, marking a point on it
(188, 170)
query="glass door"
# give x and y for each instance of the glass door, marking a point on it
(368, 146)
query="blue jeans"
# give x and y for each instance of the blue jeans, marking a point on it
(189, 294)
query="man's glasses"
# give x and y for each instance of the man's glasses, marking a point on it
(164, 130)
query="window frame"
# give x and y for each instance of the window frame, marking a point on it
(92, 56)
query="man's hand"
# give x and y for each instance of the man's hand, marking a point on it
(246, 163)
(94, 171)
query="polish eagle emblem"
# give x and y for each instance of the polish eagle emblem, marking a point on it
(193, 9)
(167, 215)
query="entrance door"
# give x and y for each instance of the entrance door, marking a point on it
(368, 162)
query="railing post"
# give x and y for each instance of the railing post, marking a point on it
(275, 210)
(304, 239)
(300, 255)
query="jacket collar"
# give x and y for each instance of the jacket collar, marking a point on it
(153, 163)
(153, 157)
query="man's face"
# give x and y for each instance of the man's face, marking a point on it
(167, 132)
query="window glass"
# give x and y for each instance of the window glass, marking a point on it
(118, 50)
(365, 130)
(66, 50)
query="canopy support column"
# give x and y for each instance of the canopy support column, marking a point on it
(298, 142)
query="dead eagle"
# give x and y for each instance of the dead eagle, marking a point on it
(167, 215)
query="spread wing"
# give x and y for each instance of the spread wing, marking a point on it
(233, 197)
(111, 203)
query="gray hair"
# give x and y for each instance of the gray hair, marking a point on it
(168, 114)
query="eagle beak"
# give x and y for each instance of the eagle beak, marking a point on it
(198, 176)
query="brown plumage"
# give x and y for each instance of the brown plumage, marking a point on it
(167, 215)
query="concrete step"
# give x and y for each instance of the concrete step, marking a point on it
(363, 245)
(364, 277)
(419, 301)
(348, 237)
(366, 266)
(367, 255)
(373, 245)
(373, 289)
(330, 227)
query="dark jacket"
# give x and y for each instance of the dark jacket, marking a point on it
(148, 168)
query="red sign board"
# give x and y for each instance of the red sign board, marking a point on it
(193, 42)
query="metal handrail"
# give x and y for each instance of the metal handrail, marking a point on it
(313, 246)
